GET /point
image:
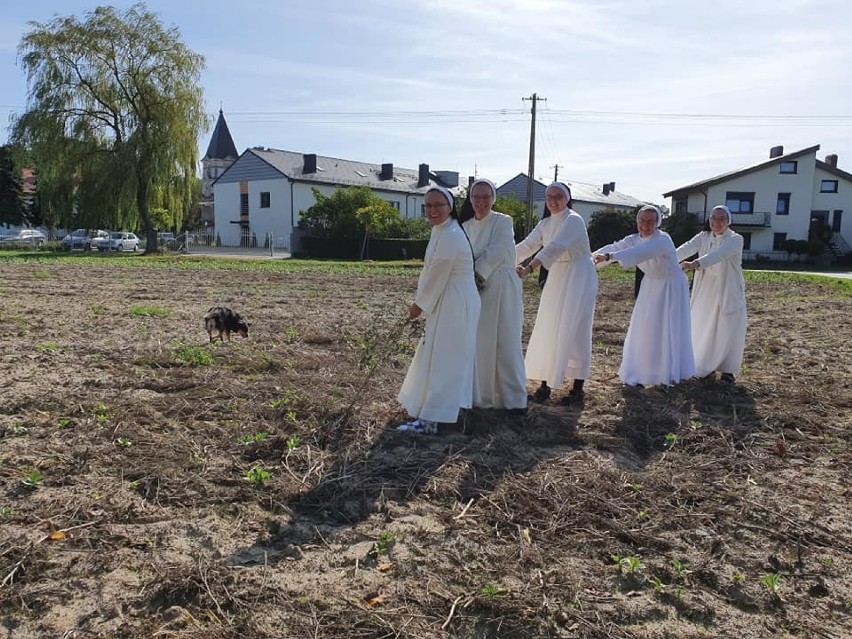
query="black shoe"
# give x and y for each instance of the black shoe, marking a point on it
(541, 395)
(728, 378)
(516, 411)
(573, 398)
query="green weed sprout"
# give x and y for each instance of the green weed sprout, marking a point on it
(257, 476)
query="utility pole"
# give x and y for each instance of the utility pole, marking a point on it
(556, 168)
(530, 204)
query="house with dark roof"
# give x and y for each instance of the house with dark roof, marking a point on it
(587, 198)
(265, 190)
(788, 196)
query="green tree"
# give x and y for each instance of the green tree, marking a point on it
(681, 226)
(345, 214)
(517, 210)
(609, 225)
(113, 117)
(12, 208)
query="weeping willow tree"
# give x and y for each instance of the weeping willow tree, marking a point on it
(114, 112)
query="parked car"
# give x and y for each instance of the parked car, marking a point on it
(85, 239)
(25, 238)
(123, 241)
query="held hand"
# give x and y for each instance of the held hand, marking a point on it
(522, 271)
(601, 257)
(480, 281)
(414, 312)
(689, 266)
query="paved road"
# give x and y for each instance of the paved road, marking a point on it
(244, 253)
(846, 275)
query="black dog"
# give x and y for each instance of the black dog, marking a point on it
(223, 320)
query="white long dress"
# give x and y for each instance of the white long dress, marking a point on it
(560, 346)
(440, 378)
(718, 301)
(658, 346)
(499, 381)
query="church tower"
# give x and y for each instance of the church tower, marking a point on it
(221, 153)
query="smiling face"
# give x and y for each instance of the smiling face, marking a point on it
(646, 223)
(556, 200)
(482, 200)
(718, 221)
(437, 208)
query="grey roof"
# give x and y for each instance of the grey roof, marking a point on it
(593, 193)
(336, 171)
(221, 145)
(833, 170)
(724, 177)
(580, 192)
(517, 188)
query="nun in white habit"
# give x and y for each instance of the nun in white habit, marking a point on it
(658, 346)
(439, 381)
(718, 297)
(560, 346)
(499, 381)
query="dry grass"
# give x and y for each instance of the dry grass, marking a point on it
(651, 513)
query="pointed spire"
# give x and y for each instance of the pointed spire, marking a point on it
(221, 143)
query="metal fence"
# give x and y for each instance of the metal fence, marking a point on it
(249, 243)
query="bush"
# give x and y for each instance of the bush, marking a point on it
(815, 248)
(417, 228)
(346, 213)
(610, 225)
(681, 226)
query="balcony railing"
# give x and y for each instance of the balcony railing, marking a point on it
(756, 219)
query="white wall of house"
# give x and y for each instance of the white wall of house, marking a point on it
(262, 220)
(281, 218)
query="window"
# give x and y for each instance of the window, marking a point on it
(828, 186)
(746, 240)
(264, 199)
(394, 204)
(782, 206)
(739, 202)
(790, 166)
(778, 241)
(243, 203)
(422, 209)
(836, 221)
(681, 205)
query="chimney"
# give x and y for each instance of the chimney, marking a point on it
(423, 176)
(776, 152)
(831, 160)
(606, 189)
(387, 172)
(612, 187)
(310, 160)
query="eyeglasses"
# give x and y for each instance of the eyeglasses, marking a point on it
(435, 206)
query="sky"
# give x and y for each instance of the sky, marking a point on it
(651, 95)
